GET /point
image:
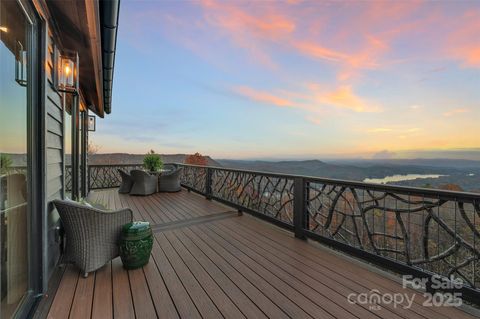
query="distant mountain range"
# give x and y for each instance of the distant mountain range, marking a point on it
(435, 162)
(124, 158)
(465, 174)
(115, 158)
(462, 173)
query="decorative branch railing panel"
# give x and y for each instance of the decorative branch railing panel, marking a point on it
(107, 176)
(436, 233)
(195, 177)
(420, 230)
(271, 196)
(101, 176)
(68, 178)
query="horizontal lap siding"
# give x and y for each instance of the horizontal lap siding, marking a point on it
(54, 159)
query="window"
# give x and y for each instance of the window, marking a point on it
(15, 50)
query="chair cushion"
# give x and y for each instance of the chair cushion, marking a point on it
(84, 202)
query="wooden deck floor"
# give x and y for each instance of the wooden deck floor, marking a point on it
(208, 262)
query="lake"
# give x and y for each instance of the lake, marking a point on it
(399, 178)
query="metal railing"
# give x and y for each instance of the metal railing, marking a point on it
(101, 176)
(410, 230)
(68, 178)
(107, 176)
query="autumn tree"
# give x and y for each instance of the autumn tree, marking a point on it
(451, 187)
(196, 159)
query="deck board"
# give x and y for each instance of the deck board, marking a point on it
(288, 298)
(222, 301)
(315, 257)
(334, 287)
(82, 300)
(231, 283)
(208, 262)
(142, 299)
(122, 295)
(62, 303)
(200, 297)
(184, 304)
(333, 269)
(160, 294)
(102, 304)
(317, 291)
(250, 289)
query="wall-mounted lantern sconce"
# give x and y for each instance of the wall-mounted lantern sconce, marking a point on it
(66, 71)
(92, 123)
(20, 64)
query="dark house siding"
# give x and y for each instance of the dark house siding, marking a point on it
(54, 145)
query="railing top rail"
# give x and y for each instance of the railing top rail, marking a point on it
(114, 165)
(120, 165)
(414, 191)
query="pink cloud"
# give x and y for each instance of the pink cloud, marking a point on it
(231, 16)
(344, 98)
(314, 99)
(263, 97)
(456, 112)
(355, 35)
(317, 51)
(464, 41)
(314, 120)
(248, 31)
(263, 28)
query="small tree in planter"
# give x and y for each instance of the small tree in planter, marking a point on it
(152, 161)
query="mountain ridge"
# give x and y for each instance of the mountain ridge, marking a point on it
(126, 158)
(464, 173)
(466, 177)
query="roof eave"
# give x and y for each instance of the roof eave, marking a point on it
(109, 14)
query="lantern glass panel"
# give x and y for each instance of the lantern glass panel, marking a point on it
(67, 78)
(20, 64)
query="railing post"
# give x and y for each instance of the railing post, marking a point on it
(300, 218)
(208, 183)
(89, 185)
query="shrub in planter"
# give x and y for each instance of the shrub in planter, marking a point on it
(152, 161)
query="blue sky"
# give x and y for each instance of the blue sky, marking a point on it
(294, 79)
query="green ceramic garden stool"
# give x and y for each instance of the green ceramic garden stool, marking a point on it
(136, 244)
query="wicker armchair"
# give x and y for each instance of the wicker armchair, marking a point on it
(92, 234)
(170, 182)
(127, 182)
(143, 183)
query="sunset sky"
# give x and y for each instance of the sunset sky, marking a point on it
(295, 79)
